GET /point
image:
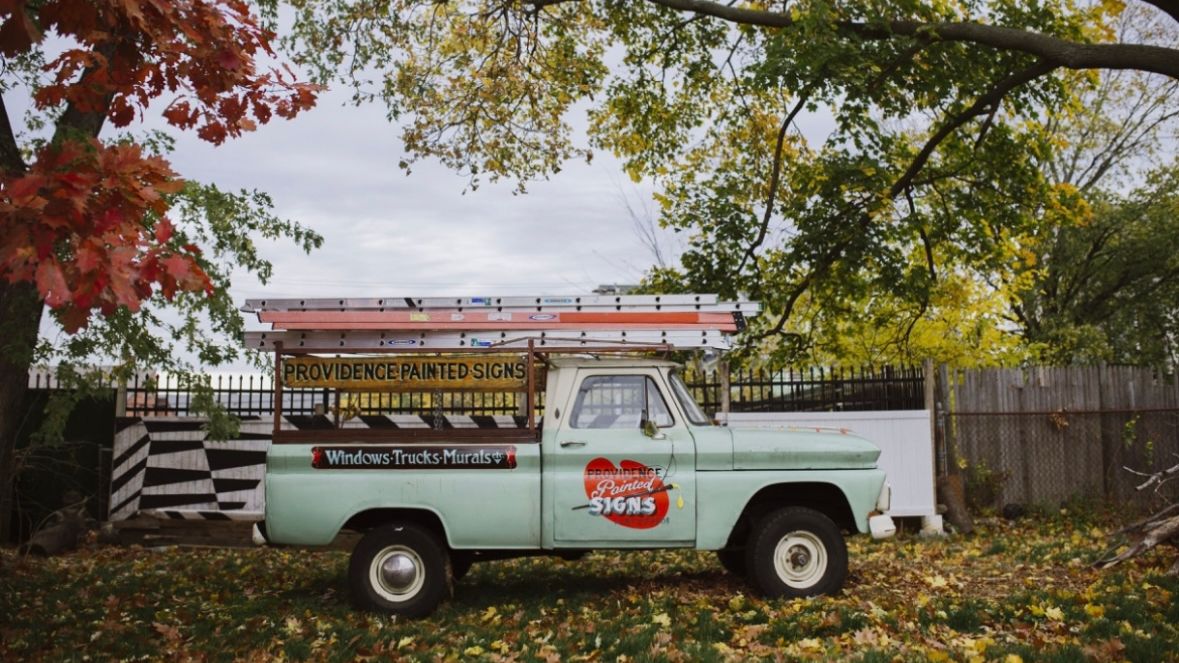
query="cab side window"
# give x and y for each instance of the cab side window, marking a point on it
(619, 401)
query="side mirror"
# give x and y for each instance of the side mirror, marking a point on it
(652, 431)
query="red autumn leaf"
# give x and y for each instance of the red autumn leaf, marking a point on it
(121, 112)
(180, 114)
(229, 60)
(125, 292)
(73, 318)
(87, 259)
(164, 231)
(51, 284)
(178, 267)
(23, 191)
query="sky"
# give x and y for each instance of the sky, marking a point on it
(334, 168)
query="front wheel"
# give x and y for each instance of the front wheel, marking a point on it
(796, 552)
(400, 569)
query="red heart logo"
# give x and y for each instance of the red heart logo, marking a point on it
(631, 495)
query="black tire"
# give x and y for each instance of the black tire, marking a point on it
(422, 587)
(796, 552)
(460, 563)
(733, 560)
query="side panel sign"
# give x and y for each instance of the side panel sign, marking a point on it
(631, 494)
(464, 457)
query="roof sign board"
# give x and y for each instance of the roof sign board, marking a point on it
(488, 372)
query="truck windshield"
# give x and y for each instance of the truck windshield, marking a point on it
(691, 410)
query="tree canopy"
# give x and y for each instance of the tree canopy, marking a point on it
(931, 181)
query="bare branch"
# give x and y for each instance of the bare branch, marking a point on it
(1158, 478)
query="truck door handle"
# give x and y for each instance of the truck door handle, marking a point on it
(572, 443)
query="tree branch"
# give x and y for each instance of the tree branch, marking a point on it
(1058, 52)
(776, 174)
(980, 106)
(75, 122)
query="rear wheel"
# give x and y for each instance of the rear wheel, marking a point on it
(796, 552)
(400, 569)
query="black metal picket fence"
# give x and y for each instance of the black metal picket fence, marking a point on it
(750, 390)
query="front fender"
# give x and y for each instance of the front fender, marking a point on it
(728, 493)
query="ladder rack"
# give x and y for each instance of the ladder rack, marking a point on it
(597, 322)
(536, 303)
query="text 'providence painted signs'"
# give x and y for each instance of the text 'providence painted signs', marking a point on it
(487, 372)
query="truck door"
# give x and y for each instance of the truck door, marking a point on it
(614, 483)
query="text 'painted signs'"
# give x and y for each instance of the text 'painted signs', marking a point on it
(486, 372)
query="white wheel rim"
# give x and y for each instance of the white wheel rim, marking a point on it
(397, 573)
(800, 559)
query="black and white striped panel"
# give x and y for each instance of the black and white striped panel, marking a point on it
(164, 465)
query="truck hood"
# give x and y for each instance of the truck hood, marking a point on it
(801, 449)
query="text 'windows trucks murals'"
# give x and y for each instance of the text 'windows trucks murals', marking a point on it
(619, 457)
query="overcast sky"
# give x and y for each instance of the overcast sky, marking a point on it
(334, 168)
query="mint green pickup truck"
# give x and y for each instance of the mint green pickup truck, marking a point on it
(623, 458)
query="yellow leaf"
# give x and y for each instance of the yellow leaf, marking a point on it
(473, 651)
(662, 619)
(936, 582)
(810, 644)
(1013, 658)
(405, 642)
(1055, 614)
(1094, 611)
(293, 626)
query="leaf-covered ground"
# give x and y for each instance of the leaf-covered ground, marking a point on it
(1011, 592)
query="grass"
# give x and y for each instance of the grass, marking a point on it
(1008, 593)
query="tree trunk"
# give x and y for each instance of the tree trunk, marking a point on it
(952, 493)
(20, 319)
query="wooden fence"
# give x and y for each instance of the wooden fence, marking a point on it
(1045, 435)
